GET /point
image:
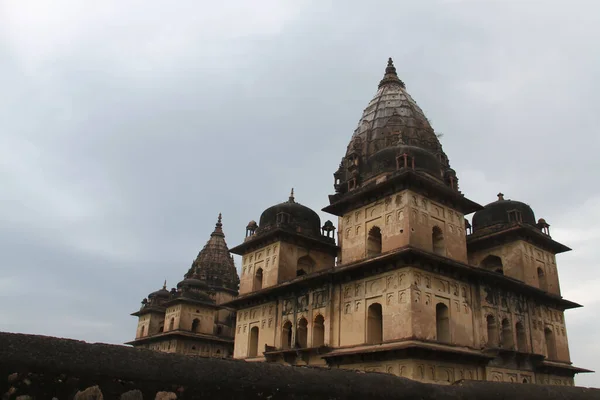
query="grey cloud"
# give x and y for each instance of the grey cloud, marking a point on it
(123, 140)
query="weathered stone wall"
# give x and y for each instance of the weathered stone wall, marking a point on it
(37, 367)
(403, 218)
(279, 262)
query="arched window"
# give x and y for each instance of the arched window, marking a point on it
(286, 336)
(550, 344)
(507, 335)
(492, 263)
(195, 325)
(492, 331)
(374, 242)
(318, 335)
(253, 345)
(437, 240)
(172, 324)
(305, 266)
(442, 323)
(258, 279)
(142, 330)
(542, 279)
(302, 333)
(374, 324)
(521, 337)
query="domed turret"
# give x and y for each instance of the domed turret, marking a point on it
(158, 297)
(503, 212)
(290, 215)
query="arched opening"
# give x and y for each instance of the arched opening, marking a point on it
(142, 330)
(219, 330)
(161, 328)
(525, 380)
(218, 353)
(550, 344)
(542, 279)
(442, 323)
(492, 331)
(507, 335)
(172, 324)
(304, 266)
(286, 336)
(493, 263)
(302, 333)
(253, 345)
(437, 240)
(258, 279)
(374, 324)
(318, 333)
(374, 242)
(521, 337)
(195, 325)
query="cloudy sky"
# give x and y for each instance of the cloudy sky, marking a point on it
(127, 126)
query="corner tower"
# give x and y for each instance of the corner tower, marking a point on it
(190, 319)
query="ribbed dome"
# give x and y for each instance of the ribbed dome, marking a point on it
(498, 213)
(391, 122)
(214, 264)
(393, 111)
(291, 215)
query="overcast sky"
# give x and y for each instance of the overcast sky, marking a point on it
(127, 126)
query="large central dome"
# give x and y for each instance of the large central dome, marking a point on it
(393, 134)
(393, 117)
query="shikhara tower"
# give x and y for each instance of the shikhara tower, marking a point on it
(411, 288)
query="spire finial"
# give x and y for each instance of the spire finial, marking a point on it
(165, 285)
(500, 196)
(291, 200)
(390, 75)
(218, 227)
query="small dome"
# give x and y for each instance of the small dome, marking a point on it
(497, 213)
(161, 293)
(328, 224)
(252, 225)
(291, 215)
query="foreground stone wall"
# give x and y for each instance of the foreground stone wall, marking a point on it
(39, 367)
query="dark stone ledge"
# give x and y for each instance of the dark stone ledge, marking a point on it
(40, 367)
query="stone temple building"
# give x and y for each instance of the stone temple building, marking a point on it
(189, 319)
(410, 287)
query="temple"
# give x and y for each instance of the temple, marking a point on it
(404, 285)
(410, 287)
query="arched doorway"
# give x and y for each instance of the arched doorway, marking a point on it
(374, 324)
(286, 335)
(442, 323)
(318, 336)
(437, 240)
(492, 263)
(302, 333)
(253, 343)
(374, 242)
